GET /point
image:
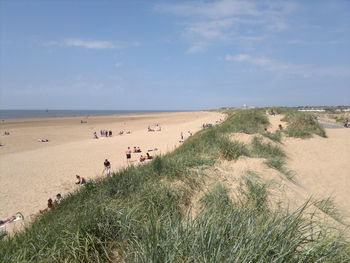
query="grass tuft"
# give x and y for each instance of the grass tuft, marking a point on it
(302, 125)
(231, 150)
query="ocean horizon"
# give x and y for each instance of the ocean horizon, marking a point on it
(28, 114)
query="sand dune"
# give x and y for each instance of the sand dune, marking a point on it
(31, 172)
(322, 166)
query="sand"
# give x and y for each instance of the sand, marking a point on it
(31, 171)
(322, 166)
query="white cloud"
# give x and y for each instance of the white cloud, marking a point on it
(91, 44)
(289, 68)
(213, 10)
(228, 19)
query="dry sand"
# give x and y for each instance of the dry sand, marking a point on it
(322, 166)
(32, 171)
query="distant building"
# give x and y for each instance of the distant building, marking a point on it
(312, 110)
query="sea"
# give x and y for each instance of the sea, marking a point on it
(27, 114)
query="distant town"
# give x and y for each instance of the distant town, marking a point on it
(304, 108)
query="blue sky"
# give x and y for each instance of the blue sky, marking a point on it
(159, 55)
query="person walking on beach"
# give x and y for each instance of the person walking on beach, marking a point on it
(128, 155)
(107, 169)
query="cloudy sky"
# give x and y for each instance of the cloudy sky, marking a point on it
(159, 55)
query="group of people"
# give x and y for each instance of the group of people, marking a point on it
(51, 203)
(137, 149)
(142, 158)
(124, 132)
(155, 128)
(207, 125)
(6, 133)
(182, 136)
(145, 158)
(271, 112)
(105, 133)
(59, 198)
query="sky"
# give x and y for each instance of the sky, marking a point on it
(173, 55)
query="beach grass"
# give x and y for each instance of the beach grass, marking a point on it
(137, 214)
(302, 125)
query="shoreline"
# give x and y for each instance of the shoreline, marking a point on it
(80, 114)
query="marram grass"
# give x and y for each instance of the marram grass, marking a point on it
(137, 214)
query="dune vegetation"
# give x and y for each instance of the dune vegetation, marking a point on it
(302, 125)
(143, 213)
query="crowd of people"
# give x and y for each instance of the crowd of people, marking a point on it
(107, 165)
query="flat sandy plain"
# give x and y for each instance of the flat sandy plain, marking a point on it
(32, 171)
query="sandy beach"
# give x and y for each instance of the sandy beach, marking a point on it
(32, 171)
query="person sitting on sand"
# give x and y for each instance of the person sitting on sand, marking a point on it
(43, 140)
(80, 181)
(280, 127)
(149, 157)
(135, 150)
(138, 150)
(49, 206)
(128, 132)
(59, 198)
(107, 165)
(95, 135)
(121, 132)
(142, 158)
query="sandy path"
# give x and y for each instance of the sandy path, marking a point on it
(41, 170)
(275, 120)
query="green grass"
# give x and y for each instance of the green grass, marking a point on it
(138, 212)
(276, 136)
(265, 150)
(328, 207)
(279, 163)
(231, 150)
(302, 125)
